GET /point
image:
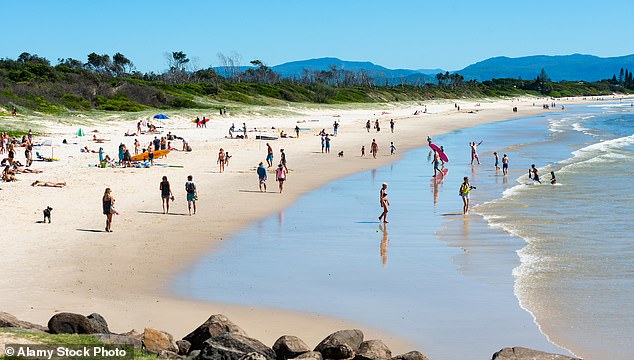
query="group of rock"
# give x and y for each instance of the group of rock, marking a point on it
(220, 339)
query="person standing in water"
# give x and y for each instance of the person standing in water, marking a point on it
(192, 194)
(166, 194)
(262, 176)
(535, 173)
(384, 202)
(497, 161)
(553, 179)
(437, 166)
(465, 189)
(505, 164)
(474, 151)
(107, 203)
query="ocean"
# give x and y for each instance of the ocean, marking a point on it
(536, 265)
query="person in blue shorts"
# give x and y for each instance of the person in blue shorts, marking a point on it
(192, 194)
(505, 164)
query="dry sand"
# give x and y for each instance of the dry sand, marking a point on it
(72, 265)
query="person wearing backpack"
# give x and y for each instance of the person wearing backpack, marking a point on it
(192, 194)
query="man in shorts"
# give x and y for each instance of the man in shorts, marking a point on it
(192, 194)
(269, 156)
(505, 164)
(262, 176)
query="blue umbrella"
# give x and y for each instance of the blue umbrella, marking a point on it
(160, 116)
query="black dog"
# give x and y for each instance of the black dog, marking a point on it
(47, 214)
(340, 154)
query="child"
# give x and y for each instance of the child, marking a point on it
(363, 151)
(392, 148)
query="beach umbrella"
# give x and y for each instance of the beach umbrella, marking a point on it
(52, 143)
(161, 116)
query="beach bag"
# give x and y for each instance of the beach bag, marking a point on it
(112, 210)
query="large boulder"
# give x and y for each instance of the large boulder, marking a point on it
(412, 355)
(69, 323)
(232, 346)
(216, 325)
(311, 355)
(373, 350)
(183, 347)
(156, 341)
(520, 353)
(341, 344)
(9, 321)
(116, 339)
(99, 323)
(288, 347)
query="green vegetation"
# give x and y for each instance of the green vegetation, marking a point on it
(32, 85)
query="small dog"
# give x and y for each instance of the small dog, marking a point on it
(47, 214)
(340, 154)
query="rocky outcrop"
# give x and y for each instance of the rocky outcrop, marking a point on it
(116, 339)
(342, 344)
(412, 355)
(69, 323)
(311, 355)
(520, 353)
(183, 347)
(373, 350)
(99, 323)
(9, 321)
(216, 325)
(289, 347)
(156, 341)
(232, 346)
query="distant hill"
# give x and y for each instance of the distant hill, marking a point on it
(565, 67)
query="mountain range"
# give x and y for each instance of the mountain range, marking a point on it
(575, 67)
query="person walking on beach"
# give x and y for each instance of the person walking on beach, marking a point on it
(192, 194)
(280, 176)
(367, 125)
(474, 151)
(392, 148)
(262, 176)
(363, 151)
(327, 144)
(323, 143)
(465, 189)
(269, 155)
(535, 174)
(107, 203)
(244, 130)
(166, 194)
(436, 163)
(384, 202)
(392, 125)
(283, 159)
(374, 148)
(377, 126)
(335, 127)
(221, 159)
(505, 164)
(297, 131)
(497, 161)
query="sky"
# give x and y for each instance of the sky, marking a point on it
(411, 34)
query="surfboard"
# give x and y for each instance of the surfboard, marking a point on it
(144, 156)
(441, 154)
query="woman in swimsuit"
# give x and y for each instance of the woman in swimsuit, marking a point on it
(166, 194)
(384, 202)
(108, 208)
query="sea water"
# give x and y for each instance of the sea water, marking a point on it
(448, 282)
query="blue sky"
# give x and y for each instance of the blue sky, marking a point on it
(449, 34)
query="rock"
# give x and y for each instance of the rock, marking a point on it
(373, 350)
(288, 347)
(165, 354)
(116, 339)
(193, 354)
(9, 321)
(412, 355)
(341, 344)
(311, 355)
(232, 346)
(253, 356)
(183, 347)
(99, 323)
(156, 340)
(520, 353)
(216, 325)
(69, 323)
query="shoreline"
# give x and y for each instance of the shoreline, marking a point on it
(143, 265)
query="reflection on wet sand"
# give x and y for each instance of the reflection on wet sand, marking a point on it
(385, 241)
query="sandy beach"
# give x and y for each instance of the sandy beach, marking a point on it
(73, 265)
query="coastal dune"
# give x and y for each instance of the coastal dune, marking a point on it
(72, 265)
